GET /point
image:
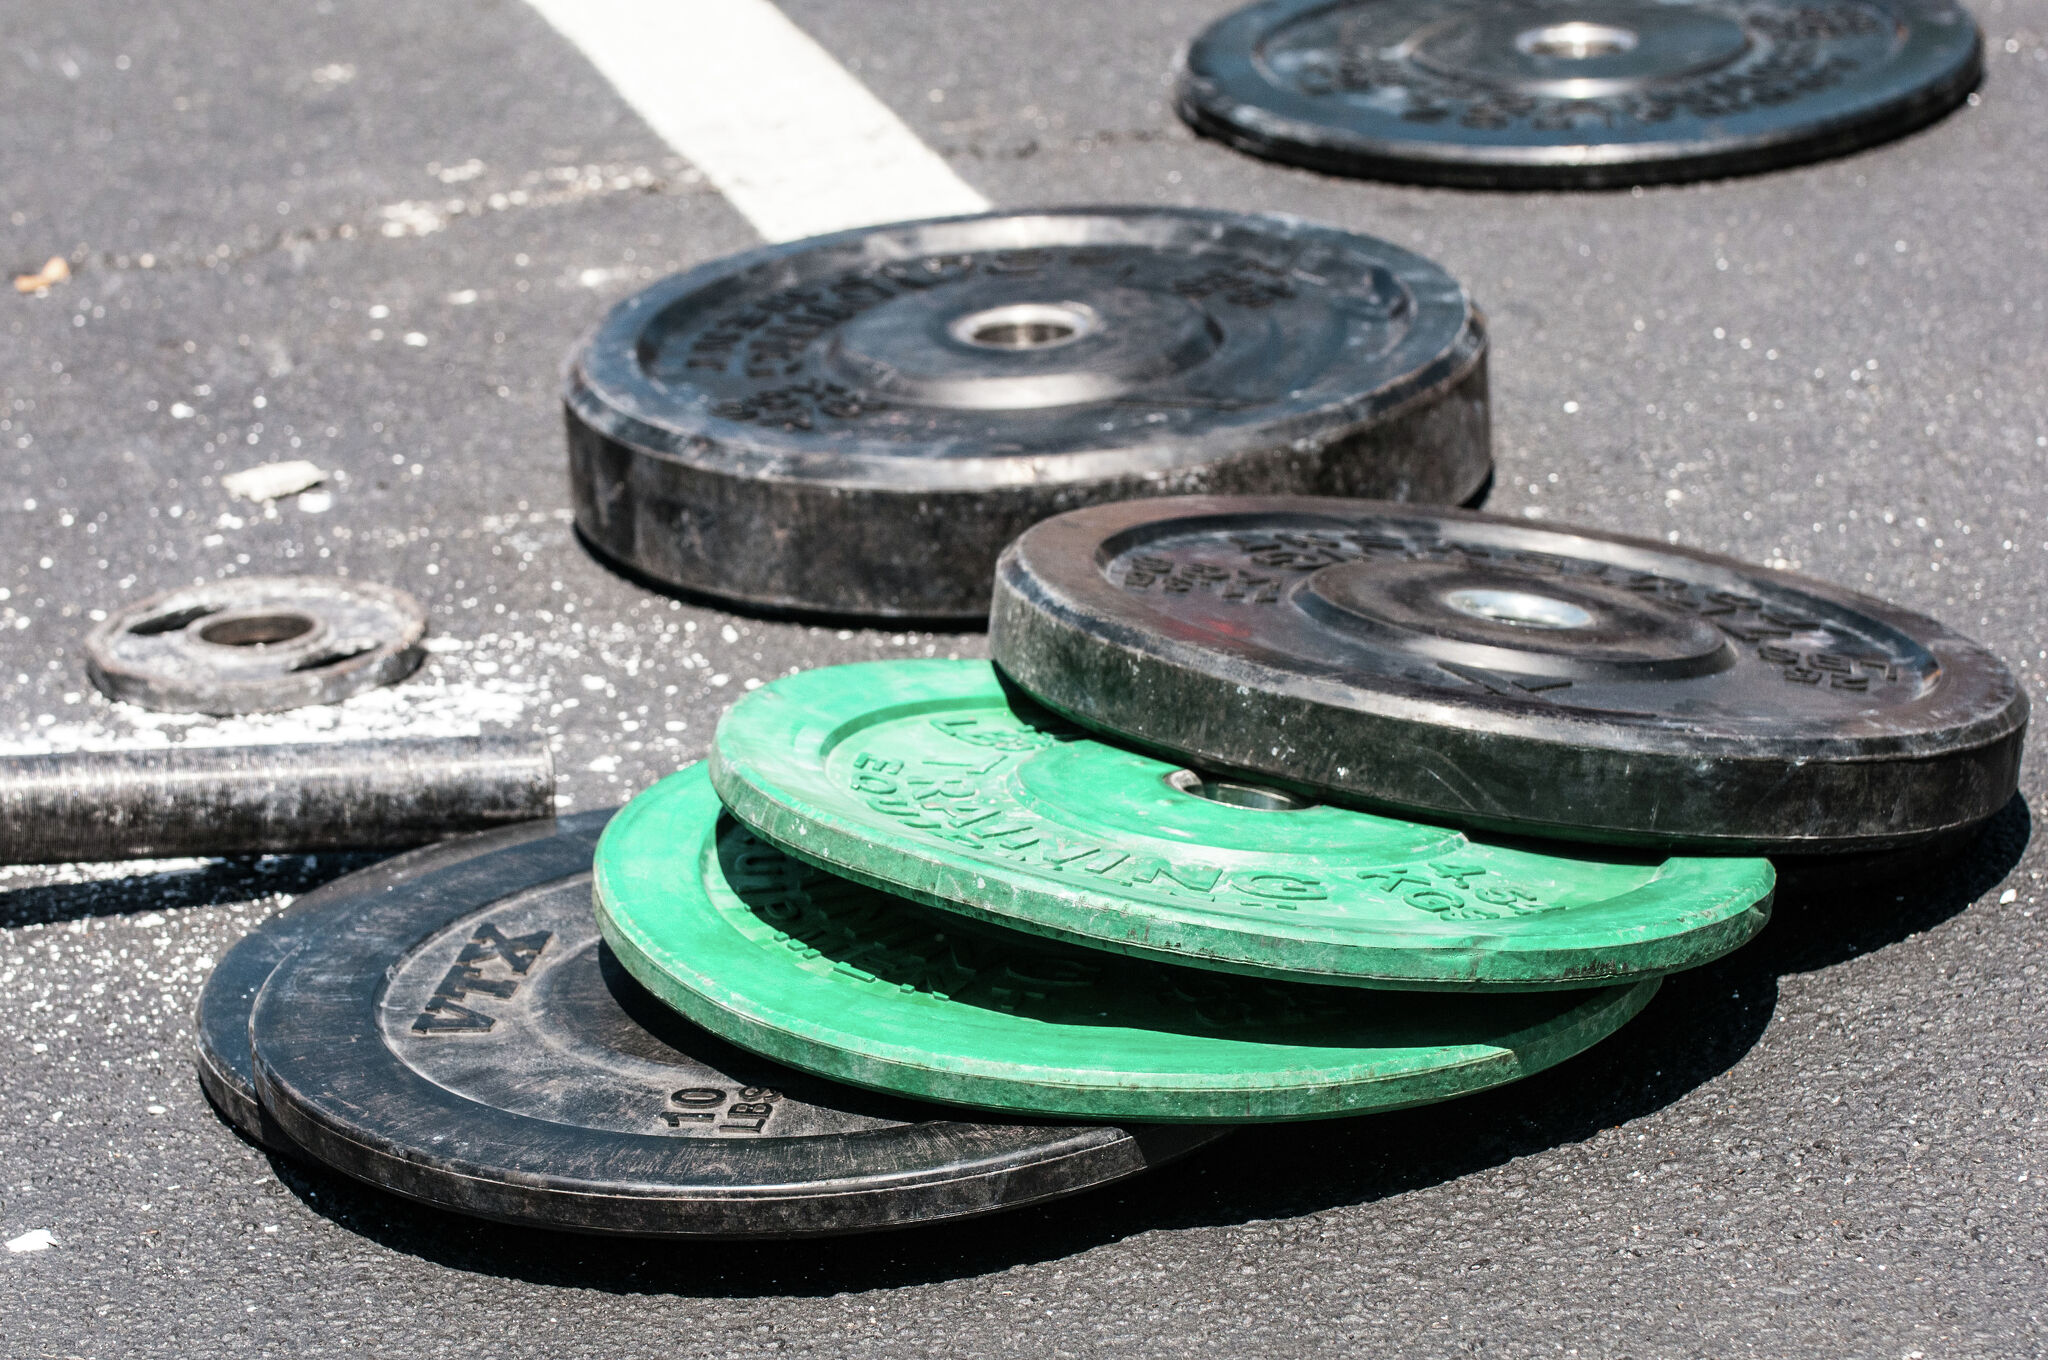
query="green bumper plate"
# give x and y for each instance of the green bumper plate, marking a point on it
(839, 979)
(928, 779)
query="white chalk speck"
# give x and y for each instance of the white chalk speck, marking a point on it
(273, 481)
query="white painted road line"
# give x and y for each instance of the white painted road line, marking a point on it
(791, 139)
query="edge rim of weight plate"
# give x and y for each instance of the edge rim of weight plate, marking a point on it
(1203, 101)
(1046, 606)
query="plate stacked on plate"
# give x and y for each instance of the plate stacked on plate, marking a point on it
(1268, 809)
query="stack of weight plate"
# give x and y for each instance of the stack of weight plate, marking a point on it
(1287, 808)
(1269, 809)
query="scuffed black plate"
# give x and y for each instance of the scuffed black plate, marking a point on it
(1496, 673)
(855, 424)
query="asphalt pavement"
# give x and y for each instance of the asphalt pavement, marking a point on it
(365, 234)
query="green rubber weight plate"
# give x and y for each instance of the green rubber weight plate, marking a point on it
(827, 975)
(929, 779)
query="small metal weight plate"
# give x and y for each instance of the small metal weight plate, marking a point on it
(258, 644)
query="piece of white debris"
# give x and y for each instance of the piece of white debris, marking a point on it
(2008, 897)
(35, 1239)
(271, 481)
(43, 280)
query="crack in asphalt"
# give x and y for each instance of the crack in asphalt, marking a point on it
(411, 218)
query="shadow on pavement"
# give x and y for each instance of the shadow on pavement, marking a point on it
(1699, 1025)
(206, 883)
(811, 618)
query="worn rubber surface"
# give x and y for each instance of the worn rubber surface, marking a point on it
(1552, 681)
(465, 1039)
(927, 778)
(257, 644)
(1573, 93)
(849, 982)
(854, 424)
(220, 1021)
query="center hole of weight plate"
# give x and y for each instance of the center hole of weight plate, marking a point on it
(1254, 796)
(1575, 41)
(1027, 325)
(1519, 607)
(257, 630)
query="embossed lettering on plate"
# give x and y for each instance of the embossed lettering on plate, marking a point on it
(521, 1008)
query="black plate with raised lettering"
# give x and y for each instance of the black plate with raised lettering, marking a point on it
(465, 1038)
(1574, 93)
(1509, 676)
(220, 1022)
(855, 424)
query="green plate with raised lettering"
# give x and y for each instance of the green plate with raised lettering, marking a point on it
(827, 975)
(929, 779)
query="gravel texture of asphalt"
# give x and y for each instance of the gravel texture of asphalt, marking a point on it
(366, 234)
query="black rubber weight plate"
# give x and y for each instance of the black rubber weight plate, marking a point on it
(856, 424)
(1487, 671)
(465, 1038)
(1574, 93)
